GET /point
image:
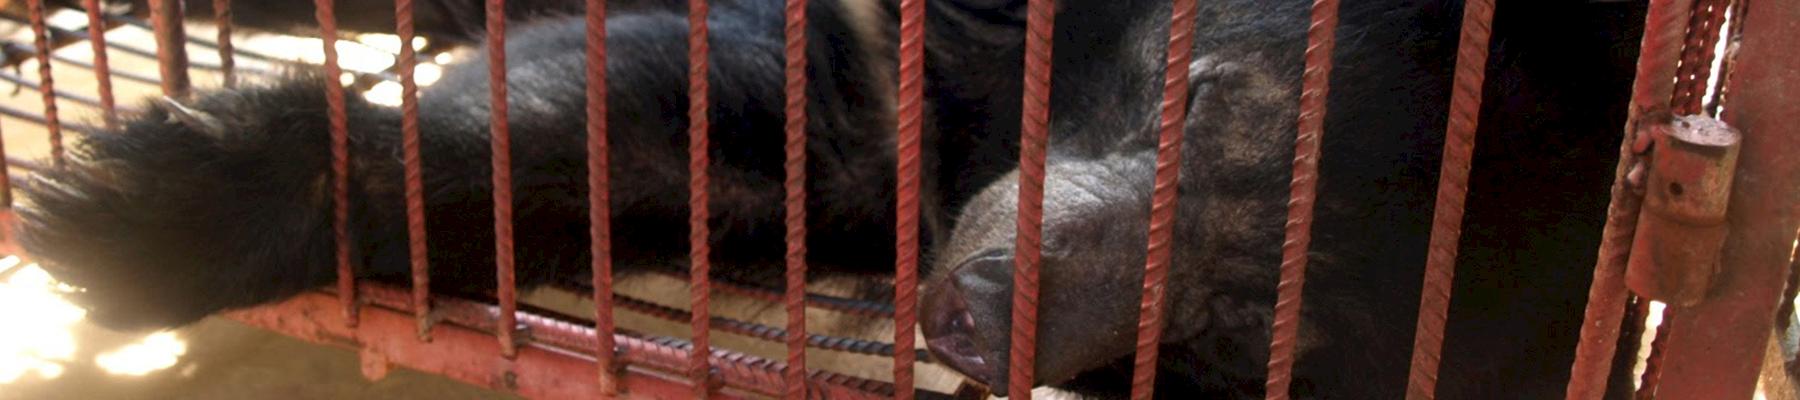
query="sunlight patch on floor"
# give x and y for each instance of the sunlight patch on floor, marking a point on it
(39, 340)
(155, 352)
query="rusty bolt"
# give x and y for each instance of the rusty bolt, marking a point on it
(1682, 226)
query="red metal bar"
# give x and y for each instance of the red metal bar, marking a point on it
(699, 233)
(46, 81)
(1679, 273)
(795, 300)
(548, 367)
(1321, 38)
(414, 176)
(227, 57)
(1033, 140)
(600, 198)
(500, 141)
(1637, 318)
(1606, 295)
(171, 46)
(1695, 66)
(340, 158)
(96, 26)
(1453, 189)
(910, 112)
(1734, 23)
(1718, 347)
(1696, 58)
(1653, 365)
(1163, 198)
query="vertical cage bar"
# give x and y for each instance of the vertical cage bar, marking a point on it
(1453, 189)
(910, 113)
(1321, 38)
(1696, 58)
(600, 197)
(1651, 90)
(1653, 365)
(1717, 347)
(1631, 338)
(795, 299)
(96, 26)
(414, 176)
(340, 158)
(171, 46)
(1033, 140)
(699, 233)
(227, 57)
(1163, 198)
(46, 80)
(1733, 30)
(500, 141)
(1690, 84)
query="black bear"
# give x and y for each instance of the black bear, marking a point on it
(1555, 99)
(223, 202)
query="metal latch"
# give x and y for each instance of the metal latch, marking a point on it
(1685, 178)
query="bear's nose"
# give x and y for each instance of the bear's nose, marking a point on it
(966, 317)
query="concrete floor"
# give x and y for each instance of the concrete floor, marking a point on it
(227, 360)
(48, 352)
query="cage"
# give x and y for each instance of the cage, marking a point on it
(644, 343)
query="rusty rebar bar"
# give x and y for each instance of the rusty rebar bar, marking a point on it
(600, 199)
(1453, 190)
(1697, 56)
(340, 157)
(413, 170)
(910, 113)
(1033, 143)
(96, 26)
(1650, 91)
(1321, 38)
(46, 80)
(1653, 364)
(171, 44)
(227, 60)
(1163, 198)
(500, 141)
(699, 233)
(795, 185)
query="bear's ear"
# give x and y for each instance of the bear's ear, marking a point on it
(199, 121)
(1209, 75)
